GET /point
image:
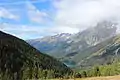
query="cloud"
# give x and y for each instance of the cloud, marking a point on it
(85, 13)
(68, 16)
(61, 29)
(4, 13)
(22, 31)
(28, 31)
(35, 15)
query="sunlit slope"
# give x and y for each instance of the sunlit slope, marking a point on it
(106, 54)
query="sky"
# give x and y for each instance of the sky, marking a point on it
(30, 19)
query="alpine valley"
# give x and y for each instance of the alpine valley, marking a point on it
(97, 45)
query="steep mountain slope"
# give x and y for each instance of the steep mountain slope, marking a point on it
(18, 60)
(53, 45)
(106, 55)
(75, 48)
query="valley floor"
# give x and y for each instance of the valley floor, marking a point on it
(96, 78)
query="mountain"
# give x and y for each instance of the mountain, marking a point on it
(20, 61)
(106, 55)
(72, 49)
(104, 62)
(53, 45)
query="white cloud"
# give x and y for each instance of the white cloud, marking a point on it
(35, 15)
(84, 13)
(27, 31)
(70, 16)
(62, 29)
(4, 13)
(23, 31)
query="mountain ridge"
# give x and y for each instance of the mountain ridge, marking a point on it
(79, 45)
(19, 58)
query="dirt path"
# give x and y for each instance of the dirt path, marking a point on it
(96, 78)
(102, 78)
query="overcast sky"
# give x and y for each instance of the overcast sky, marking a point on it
(29, 19)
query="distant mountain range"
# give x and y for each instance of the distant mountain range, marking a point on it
(20, 61)
(80, 49)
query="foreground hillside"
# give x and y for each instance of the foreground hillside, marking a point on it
(19, 61)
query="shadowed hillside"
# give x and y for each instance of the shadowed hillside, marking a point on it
(18, 60)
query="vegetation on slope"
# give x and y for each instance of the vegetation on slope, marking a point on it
(20, 61)
(103, 70)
